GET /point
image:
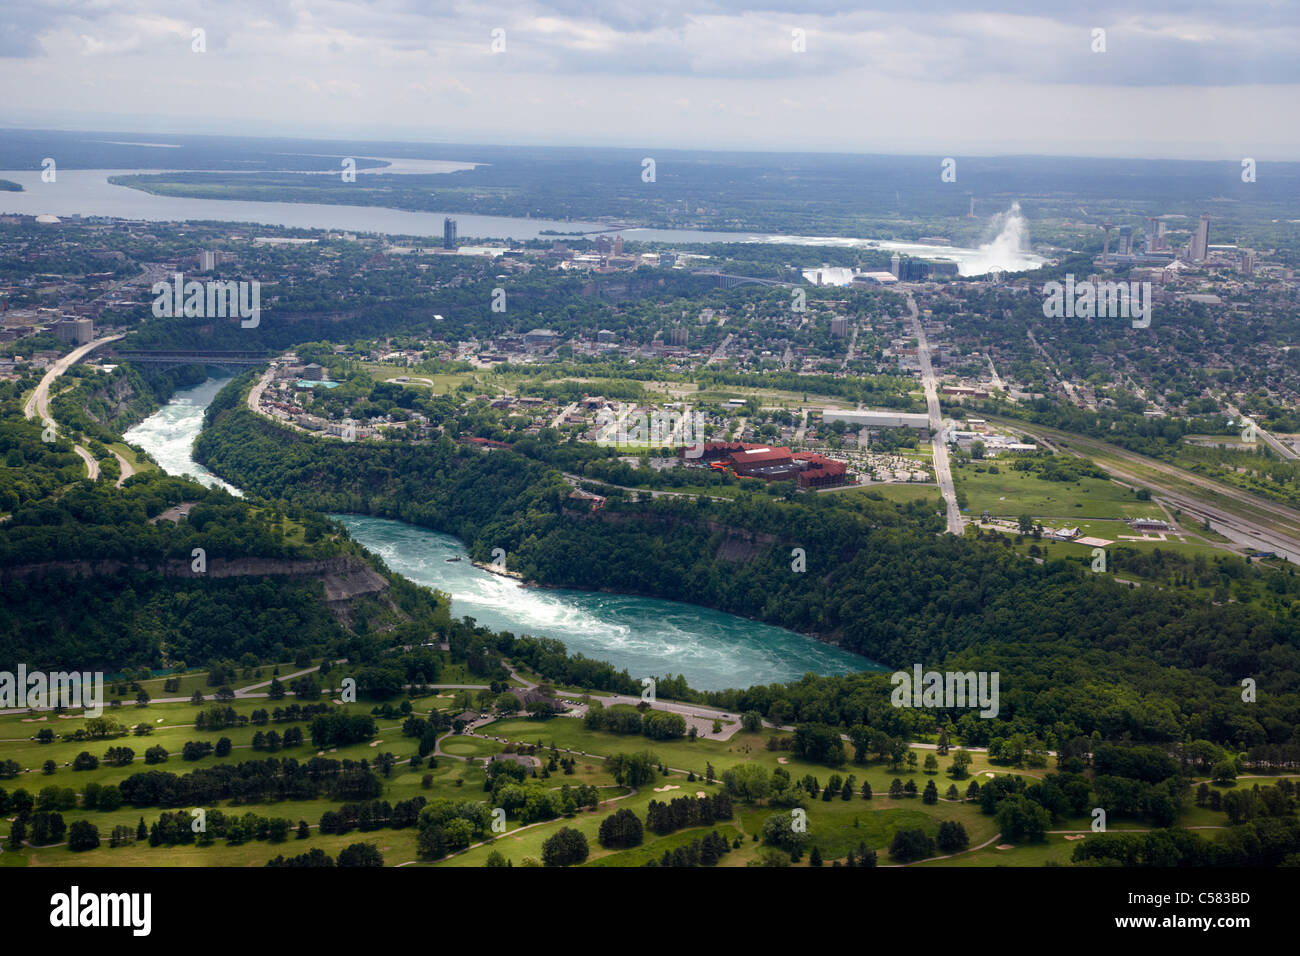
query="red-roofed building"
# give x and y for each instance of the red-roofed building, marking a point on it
(820, 471)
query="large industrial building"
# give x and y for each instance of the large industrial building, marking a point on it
(808, 469)
(878, 419)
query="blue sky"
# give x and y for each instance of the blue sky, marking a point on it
(1194, 79)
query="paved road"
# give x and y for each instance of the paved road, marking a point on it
(1284, 450)
(38, 405)
(92, 466)
(127, 470)
(942, 468)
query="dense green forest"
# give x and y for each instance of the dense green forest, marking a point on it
(1076, 653)
(120, 587)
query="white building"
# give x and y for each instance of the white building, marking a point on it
(878, 419)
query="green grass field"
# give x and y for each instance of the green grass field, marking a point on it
(1012, 493)
(835, 826)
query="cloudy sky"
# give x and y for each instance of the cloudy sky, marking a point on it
(1210, 79)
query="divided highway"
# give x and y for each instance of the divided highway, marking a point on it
(942, 468)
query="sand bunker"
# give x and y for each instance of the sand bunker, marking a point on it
(1075, 836)
(782, 760)
(669, 786)
(700, 793)
(1004, 846)
(375, 743)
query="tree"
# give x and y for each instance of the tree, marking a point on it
(961, 761)
(632, 770)
(931, 793)
(747, 781)
(361, 854)
(1224, 772)
(495, 859)
(910, 845)
(620, 830)
(565, 848)
(815, 857)
(85, 761)
(952, 837)
(1022, 820)
(779, 831)
(83, 835)
(931, 763)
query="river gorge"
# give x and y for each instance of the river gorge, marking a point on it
(647, 636)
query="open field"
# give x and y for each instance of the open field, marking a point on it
(835, 826)
(1012, 493)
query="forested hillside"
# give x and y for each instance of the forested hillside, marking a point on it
(163, 571)
(1077, 653)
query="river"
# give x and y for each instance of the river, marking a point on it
(647, 636)
(87, 192)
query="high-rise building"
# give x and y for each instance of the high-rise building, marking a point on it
(1153, 234)
(1126, 240)
(618, 245)
(839, 326)
(449, 233)
(1247, 263)
(894, 262)
(207, 260)
(1200, 249)
(72, 329)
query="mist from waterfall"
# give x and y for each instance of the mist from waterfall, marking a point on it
(1008, 248)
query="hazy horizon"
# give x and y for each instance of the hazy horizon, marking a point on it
(1176, 80)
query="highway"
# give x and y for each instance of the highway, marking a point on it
(1212, 500)
(1284, 450)
(38, 405)
(942, 468)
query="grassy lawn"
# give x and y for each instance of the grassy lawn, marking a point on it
(898, 493)
(469, 746)
(1013, 493)
(136, 462)
(835, 826)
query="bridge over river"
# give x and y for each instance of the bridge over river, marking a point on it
(191, 357)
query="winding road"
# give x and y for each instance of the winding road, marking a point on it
(38, 405)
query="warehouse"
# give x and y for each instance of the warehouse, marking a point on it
(878, 419)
